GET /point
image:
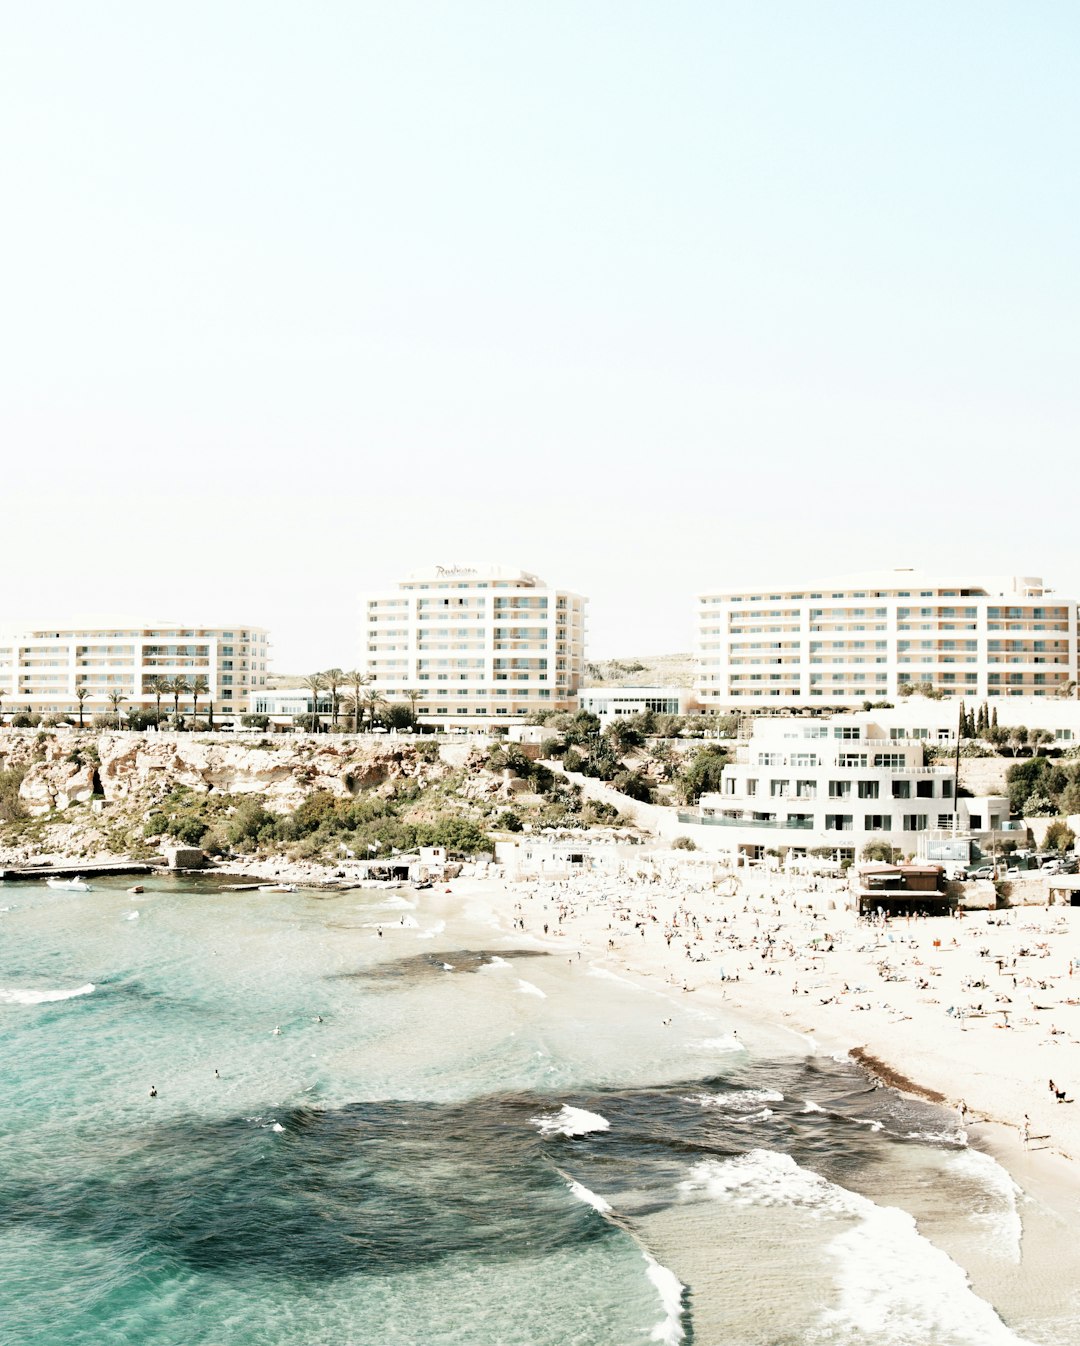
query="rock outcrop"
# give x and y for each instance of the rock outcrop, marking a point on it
(67, 767)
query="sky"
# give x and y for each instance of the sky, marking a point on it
(649, 299)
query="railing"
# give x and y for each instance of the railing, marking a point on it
(801, 824)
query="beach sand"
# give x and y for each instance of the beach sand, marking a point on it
(978, 1013)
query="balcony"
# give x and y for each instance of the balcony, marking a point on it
(779, 824)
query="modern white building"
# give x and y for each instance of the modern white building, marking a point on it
(472, 644)
(837, 784)
(43, 670)
(865, 637)
(609, 703)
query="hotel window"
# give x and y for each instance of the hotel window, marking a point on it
(924, 789)
(894, 760)
(838, 822)
(869, 789)
(901, 789)
(915, 822)
(877, 822)
(839, 789)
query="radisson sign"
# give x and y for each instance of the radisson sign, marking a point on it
(453, 572)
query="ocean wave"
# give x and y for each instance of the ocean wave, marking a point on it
(527, 988)
(669, 1331)
(893, 1285)
(589, 1198)
(998, 1205)
(739, 1100)
(811, 1106)
(393, 903)
(16, 996)
(730, 1043)
(432, 930)
(570, 1121)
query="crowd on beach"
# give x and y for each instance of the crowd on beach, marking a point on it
(981, 1009)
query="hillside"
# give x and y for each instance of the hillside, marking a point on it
(90, 793)
(646, 670)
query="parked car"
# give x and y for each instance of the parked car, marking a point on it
(981, 872)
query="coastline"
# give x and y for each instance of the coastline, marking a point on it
(905, 1039)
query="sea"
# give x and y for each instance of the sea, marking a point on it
(381, 1116)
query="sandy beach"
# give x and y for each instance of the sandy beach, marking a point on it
(979, 1012)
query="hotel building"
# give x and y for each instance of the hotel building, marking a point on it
(41, 670)
(839, 783)
(866, 637)
(473, 644)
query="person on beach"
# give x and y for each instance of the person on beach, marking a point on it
(1025, 1131)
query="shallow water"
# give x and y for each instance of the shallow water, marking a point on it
(439, 1135)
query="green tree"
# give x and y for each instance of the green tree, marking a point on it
(199, 687)
(702, 774)
(115, 699)
(176, 688)
(373, 702)
(356, 682)
(81, 693)
(315, 684)
(332, 681)
(158, 686)
(1059, 837)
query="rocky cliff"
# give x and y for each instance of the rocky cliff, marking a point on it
(68, 767)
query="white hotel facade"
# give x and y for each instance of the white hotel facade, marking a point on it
(472, 644)
(840, 783)
(863, 637)
(42, 669)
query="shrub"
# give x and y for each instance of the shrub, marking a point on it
(1059, 837)
(255, 722)
(11, 806)
(684, 844)
(508, 821)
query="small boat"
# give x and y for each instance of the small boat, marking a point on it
(69, 885)
(277, 887)
(137, 888)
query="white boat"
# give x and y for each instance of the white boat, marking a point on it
(70, 885)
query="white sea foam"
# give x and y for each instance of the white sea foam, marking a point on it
(404, 923)
(590, 1198)
(15, 996)
(730, 1043)
(527, 988)
(811, 1106)
(448, 967)
(497, 962)
(669, 1331)
(739, 1100)
(393, 903)
(432, 930)
(570, 1121)
(277, 1127)
(893, 1285)
(131, 916)
(999, 1213)
(953, 1137)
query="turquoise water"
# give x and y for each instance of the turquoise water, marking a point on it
(441, 1135)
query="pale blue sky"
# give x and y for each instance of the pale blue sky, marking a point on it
(647, 298)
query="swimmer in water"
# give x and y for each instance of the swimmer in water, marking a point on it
(277, 1030)
(153, 1091)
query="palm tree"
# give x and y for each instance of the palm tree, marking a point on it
(413, 695)
(373, 701)
(157, 685)
(199, 687)
(176, 688)
(357, 681)
(332, 680)
(314, 683)
(114, 700)
(81, 693)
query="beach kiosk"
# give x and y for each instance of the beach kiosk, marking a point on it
(900, 890)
